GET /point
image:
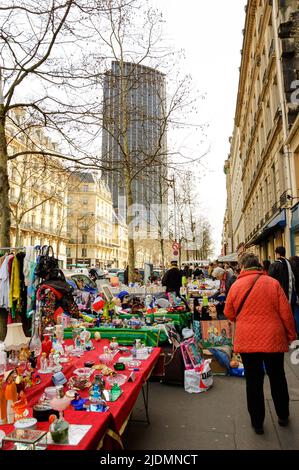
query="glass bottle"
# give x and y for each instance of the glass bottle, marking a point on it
(35, 344)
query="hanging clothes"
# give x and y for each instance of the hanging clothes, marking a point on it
(29, 264)
(31, 281)
(4, 282)
(15, 301)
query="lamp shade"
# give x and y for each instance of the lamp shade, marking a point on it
(15, 338)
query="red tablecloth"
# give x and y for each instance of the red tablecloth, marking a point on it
(91, 440)
(113, 421)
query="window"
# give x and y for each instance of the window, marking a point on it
(85, 188)
(84, 252)
(84, 238)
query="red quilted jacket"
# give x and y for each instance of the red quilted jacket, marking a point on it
(265, 322)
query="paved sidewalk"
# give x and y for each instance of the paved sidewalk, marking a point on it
(215, 420)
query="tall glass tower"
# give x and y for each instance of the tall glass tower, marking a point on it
(134, 106)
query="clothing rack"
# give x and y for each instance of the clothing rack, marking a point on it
(12, 248)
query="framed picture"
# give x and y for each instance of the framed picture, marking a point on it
(216, 333)
(107, 293)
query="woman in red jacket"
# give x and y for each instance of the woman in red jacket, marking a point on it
(264, 329)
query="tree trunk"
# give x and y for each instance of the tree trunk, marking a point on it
(162, 253)
(5, 221)
(17, 243)
(130, 216)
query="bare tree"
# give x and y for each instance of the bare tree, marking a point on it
(47, 67)
(137, 110)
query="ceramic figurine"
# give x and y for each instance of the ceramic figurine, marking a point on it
(11, 395)
(51, 358)
(59, 332)
(44, 362)
(20, 407)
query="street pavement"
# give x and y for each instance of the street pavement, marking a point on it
(214, 420)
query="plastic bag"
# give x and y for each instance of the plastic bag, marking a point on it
(200, 379)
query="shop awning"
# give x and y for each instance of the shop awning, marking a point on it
(277, 222)
(232, 258)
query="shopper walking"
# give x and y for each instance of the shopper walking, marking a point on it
(264, 329)
(172, 279)
(294, 260)
(281, 270)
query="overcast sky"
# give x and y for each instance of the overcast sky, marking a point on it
(211, 34)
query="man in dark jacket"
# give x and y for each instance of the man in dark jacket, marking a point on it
(172, 279)
(281, 270)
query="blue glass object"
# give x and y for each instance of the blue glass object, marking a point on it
(99, 407)
(78, 404)
(96, 390)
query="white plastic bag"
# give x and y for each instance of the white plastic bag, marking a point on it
(199, 380)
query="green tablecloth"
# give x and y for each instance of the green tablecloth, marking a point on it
(180, 319)
(126, 336)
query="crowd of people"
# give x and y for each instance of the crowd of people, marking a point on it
(262, 299)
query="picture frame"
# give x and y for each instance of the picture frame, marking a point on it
(107, 293)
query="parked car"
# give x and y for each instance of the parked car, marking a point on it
(77, 276)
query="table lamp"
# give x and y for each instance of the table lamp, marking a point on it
(15, 340)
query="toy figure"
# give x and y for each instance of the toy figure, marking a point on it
(11, 395)
(2, 402)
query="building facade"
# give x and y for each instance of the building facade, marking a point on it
(134, 106)
(95, 239)
(265, 116)
(38, 191)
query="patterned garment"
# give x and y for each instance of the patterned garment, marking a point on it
(197, 330)
(50, 302)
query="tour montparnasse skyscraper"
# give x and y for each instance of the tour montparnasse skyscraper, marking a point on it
(144, 103)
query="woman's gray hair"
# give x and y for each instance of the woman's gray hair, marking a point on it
(218, 272)
(249, 260)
